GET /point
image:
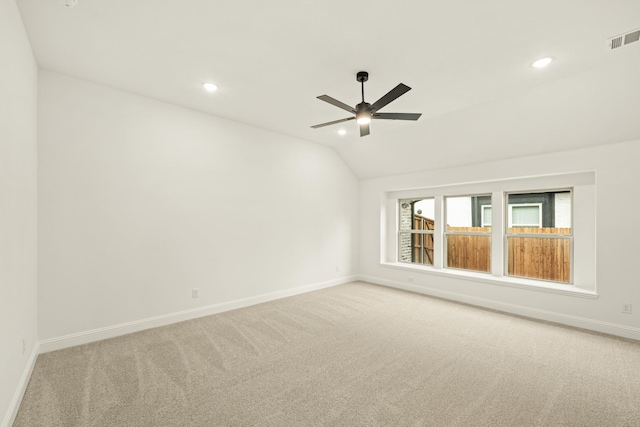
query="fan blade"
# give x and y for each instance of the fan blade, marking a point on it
(394, 93)
(332, 101)
(397, 116)
(333, 122)
(364, 130)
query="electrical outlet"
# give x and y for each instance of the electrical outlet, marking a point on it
(195, 293)
(626, 308)
(337, 269)
(24, 346)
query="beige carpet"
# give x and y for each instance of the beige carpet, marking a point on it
(352, 355)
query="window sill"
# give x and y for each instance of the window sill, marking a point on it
(512, 282)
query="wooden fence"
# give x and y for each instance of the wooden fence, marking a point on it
(422, 244)
(540, 258)
(471, 252)
(534, 257)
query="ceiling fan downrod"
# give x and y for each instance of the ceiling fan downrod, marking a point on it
(362, 77)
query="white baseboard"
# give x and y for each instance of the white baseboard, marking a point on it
(85, 337)
(12, 412)
(551, 316)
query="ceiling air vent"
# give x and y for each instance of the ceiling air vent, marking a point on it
(623, 40)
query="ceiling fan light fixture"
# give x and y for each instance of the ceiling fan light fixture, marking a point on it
(210, 87)
(363, 118)
(542, 62)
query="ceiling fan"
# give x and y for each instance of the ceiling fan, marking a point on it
(365, 112)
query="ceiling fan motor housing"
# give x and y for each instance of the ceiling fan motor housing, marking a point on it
(363, 107)
(363, 112)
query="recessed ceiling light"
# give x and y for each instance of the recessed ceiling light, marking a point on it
(542, 62)
(342, 132)
(210, 87)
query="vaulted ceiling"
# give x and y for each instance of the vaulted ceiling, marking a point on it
(468, 63)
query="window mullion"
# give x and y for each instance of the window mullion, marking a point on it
(497, 229)
(438, 234)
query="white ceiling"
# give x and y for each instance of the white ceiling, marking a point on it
(467, 62)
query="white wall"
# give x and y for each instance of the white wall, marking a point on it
(18, 217)
(141, 201)
(458, 211)
(562, 210)
(426, 206)
(617, 177)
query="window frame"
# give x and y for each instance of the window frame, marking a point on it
(447, 233)
(583, 186)
(508, 225)
(412, 232)
(522, 205)
(483, 215)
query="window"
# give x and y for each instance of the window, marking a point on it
(486, 216)
(468, 247)
(525, 215)
(535, 248)
(417, 226)
(539, 236)
(529, 233)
